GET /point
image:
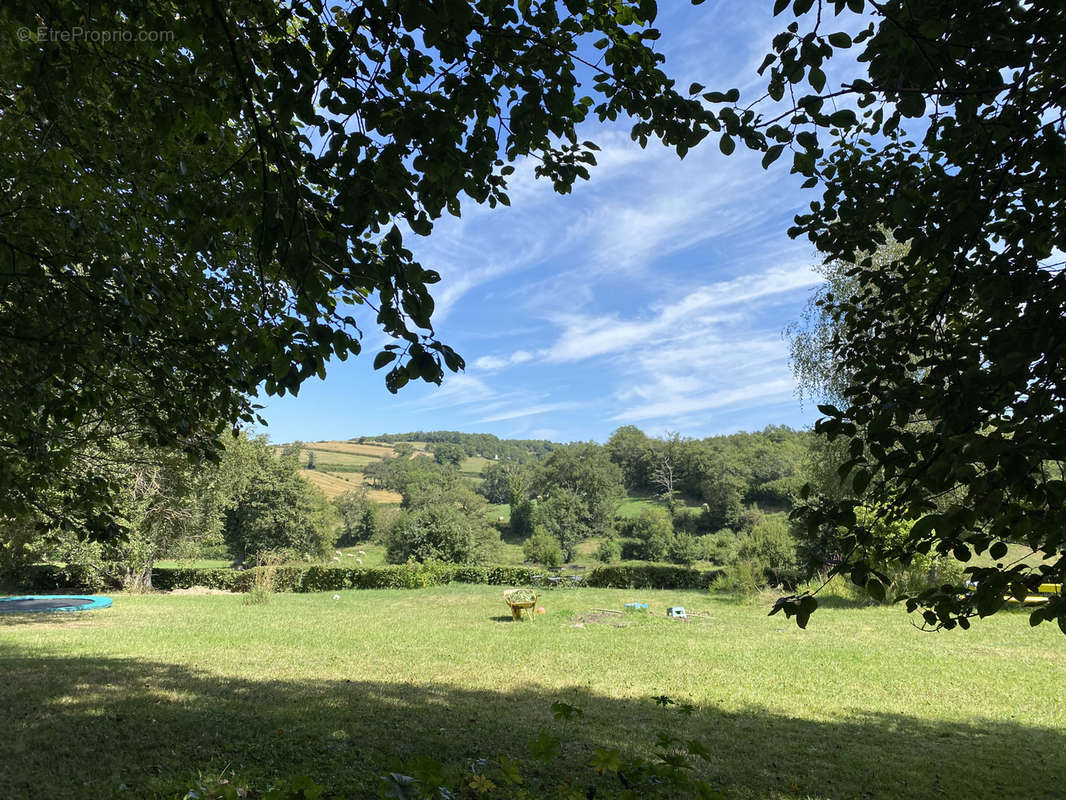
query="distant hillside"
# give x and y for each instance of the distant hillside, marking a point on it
(475, 445)
(339, 465)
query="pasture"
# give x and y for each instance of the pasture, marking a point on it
(143, 699)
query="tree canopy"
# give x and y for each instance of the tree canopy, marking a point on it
(218, 202)
(951, 142)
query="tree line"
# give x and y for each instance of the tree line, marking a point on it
(485, 445)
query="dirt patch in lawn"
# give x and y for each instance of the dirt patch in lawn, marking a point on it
(200, 590)
(611, 620)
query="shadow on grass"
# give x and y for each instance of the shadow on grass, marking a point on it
(81, 728)
(66, 619)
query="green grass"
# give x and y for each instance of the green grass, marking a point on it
(159, 689)
(632, 506)
(474, 465)
(495, 511)
(372, 555)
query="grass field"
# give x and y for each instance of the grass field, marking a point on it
(159, 690)
(333, 485)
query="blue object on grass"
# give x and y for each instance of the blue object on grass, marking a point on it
(34, 603)
(636, 605)
(678, 612)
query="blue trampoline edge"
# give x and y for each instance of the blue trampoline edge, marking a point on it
(40, 603)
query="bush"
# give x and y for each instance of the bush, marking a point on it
(654, 530)
(743, 578)
(523, 519)
(721, 547)
(439, 532)
(359, 517)
(277, 509)
(610, 551)
(769, 545)
(684, 549)
(320, 578)
(543, 548)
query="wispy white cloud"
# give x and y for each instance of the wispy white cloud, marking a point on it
(457, 390)
(529, 411)
(495, 363)
(585, 336)
(757, 394)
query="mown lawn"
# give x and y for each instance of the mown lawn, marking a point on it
(160, 689)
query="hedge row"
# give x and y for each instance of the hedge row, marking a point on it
(313, 578)
(324, 579)
(651, 576)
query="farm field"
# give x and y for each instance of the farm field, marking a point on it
(335, 484)
(339, 467)
(160, 690)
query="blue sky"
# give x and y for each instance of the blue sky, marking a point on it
(655, 294)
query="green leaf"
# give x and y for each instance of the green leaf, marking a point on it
(383, 358)
(726, 144)
(604, 760)
(840, 39)
(845, 118)
(876, 589)
(545, 747)
(772, 154)
(816, 78)
(561, 710)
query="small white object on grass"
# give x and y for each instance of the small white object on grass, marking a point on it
(362, 552)
(350, 555)
(335, 558)
(358, 561)
(336, 597)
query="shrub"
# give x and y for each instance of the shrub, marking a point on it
(684, 549)
(523, 518)
(439, 532)
(543, 548)
(654, 530)
(769, 544)
(632, 549)
(610, 551)
(278, 509)
(743, 577)
(359, 517)
(721, 547)
(263, 579)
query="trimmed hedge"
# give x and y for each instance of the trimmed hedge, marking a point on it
(315, 578)
(44, 578)
(651, 576)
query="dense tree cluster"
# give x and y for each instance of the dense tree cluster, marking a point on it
(442, 518)
(724, 472)
(250, 502)
(484, 445)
